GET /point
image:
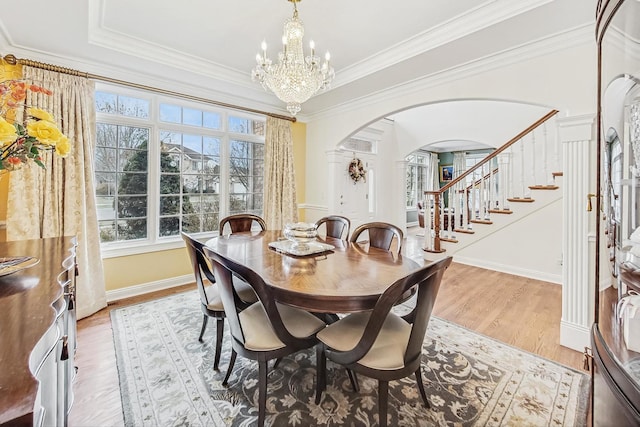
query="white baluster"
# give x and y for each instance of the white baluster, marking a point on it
(467, 206)
(504, 172)
(522, 186)
(492, 185)
(483, 192)
(428, 223)
(545, 166)
(451, 222)
(534, 180)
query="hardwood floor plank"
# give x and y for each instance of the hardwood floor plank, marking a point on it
(521, 312)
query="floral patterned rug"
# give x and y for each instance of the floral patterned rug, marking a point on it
(167, 379)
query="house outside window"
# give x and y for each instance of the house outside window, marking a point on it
(165, 165)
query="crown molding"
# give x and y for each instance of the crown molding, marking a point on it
(481, 17)
(100, 35)
(573, 37)
(485, 15)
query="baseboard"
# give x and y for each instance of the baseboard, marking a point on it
(575, 337)
(145, 288)
(509, 269)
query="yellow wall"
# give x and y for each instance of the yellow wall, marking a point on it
(122, 272)
(7, 72)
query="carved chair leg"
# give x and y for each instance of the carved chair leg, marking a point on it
(383, 397)
(232, 361)
(219, 335)
(262, 392)
(321, 372)
(205, 319)
(353, 378)
(421, 388)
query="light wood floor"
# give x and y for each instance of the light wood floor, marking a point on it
(518, 311)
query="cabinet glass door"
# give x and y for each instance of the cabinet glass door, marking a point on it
(619, 133)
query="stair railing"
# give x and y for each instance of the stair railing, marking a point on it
(491, 184)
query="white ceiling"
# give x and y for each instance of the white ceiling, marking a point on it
(208, 47)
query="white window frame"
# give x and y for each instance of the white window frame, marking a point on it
(154, 242)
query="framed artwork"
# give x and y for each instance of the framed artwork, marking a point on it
(446, 173)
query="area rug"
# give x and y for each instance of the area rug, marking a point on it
(167, 379)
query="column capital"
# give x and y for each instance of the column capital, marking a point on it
(577, 128)
(334, 156)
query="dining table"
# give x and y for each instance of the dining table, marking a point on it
(347, 277)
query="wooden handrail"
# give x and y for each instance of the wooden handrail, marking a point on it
(496, 152)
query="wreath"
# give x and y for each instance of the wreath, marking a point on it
(357, 171)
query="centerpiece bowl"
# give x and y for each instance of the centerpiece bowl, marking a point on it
(300, 233)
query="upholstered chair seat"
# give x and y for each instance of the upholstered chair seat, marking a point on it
(379, 343)
(259, 334)
(387, 351)
(214, 300)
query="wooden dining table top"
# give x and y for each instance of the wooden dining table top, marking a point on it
(348, 278)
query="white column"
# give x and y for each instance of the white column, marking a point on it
(578, 241)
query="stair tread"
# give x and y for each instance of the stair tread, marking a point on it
(434, 251)
(554, 174)
(462, 230)
(521, 200)
(543, 187)
(480, 221)
(500, 211)
(448, 239)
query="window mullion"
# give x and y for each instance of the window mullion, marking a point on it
(153, 192)
(224, 175)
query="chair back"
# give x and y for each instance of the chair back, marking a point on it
(224, 269)
(199, 264)
(381, 235)
(241, 222)
(335, 226)
(427, 279)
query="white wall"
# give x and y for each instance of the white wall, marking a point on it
(538, 238)
(563, 79)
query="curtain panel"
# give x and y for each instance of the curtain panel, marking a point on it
(280, 205)
(60, 200)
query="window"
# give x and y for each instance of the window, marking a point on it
(416, 179)
(166, 165)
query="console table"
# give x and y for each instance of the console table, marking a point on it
(38, 334)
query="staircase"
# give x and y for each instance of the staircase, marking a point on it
(509, 185)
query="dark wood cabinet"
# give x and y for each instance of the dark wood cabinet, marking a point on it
(38, 334)
(616, 367)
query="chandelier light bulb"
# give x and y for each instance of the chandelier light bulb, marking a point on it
(295, 77)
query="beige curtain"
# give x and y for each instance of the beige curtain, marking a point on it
(60, 200)
(279, 177)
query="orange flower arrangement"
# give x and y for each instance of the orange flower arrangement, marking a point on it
(21, 141)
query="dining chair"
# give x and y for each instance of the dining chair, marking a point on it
(381, 235)
(265, 330)
(380, 344)
(335, 226)
(211, 303)
(241, 222)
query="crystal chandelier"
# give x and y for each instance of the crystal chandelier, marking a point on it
(296, 77)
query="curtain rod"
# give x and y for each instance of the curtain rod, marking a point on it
(12, 60)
